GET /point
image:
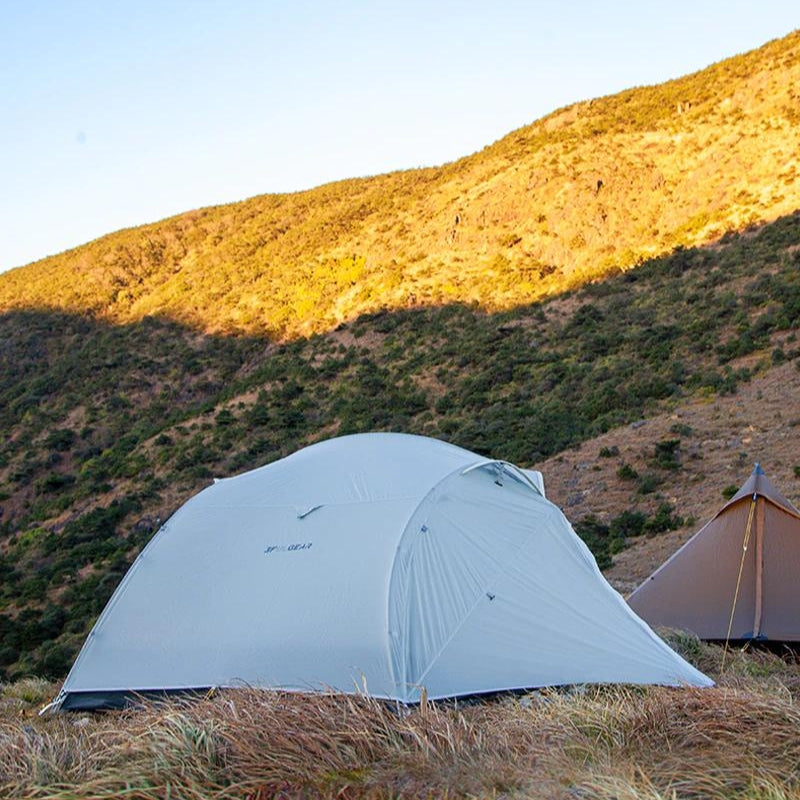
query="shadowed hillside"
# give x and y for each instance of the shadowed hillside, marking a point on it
(108, 428)
(592, 189)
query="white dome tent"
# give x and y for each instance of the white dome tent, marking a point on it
(376, 562)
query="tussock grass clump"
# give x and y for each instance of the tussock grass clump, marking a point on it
(27, 691)
(740, 739)
(334, 743)
(717, 743)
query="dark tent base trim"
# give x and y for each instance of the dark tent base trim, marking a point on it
(119, 699)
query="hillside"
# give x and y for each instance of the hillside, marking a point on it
(591, 189)
(110, 428)
(719, 438)
(138, 367)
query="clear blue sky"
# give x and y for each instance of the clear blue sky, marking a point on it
(115, 113)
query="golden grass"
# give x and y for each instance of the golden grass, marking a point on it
(591, 189)
(740, 739)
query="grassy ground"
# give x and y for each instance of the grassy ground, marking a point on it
(740, 739)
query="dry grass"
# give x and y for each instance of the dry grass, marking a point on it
(740, 739)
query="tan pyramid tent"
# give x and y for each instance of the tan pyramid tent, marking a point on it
(741, 570)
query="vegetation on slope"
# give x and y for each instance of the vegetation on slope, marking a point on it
(592, 189)
(107, 429)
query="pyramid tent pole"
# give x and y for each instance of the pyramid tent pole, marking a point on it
(759, 566)
(745, 545)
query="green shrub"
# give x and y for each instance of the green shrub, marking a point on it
(666, 454)
(54, 482)
(597, 537)
(627, 473)
(648, 483)
(61, 439)
(664, 520)
(225, 418)
(628, 523)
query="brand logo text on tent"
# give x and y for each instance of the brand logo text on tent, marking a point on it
(287, 548)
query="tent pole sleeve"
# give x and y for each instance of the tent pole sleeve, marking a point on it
(759, 566)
